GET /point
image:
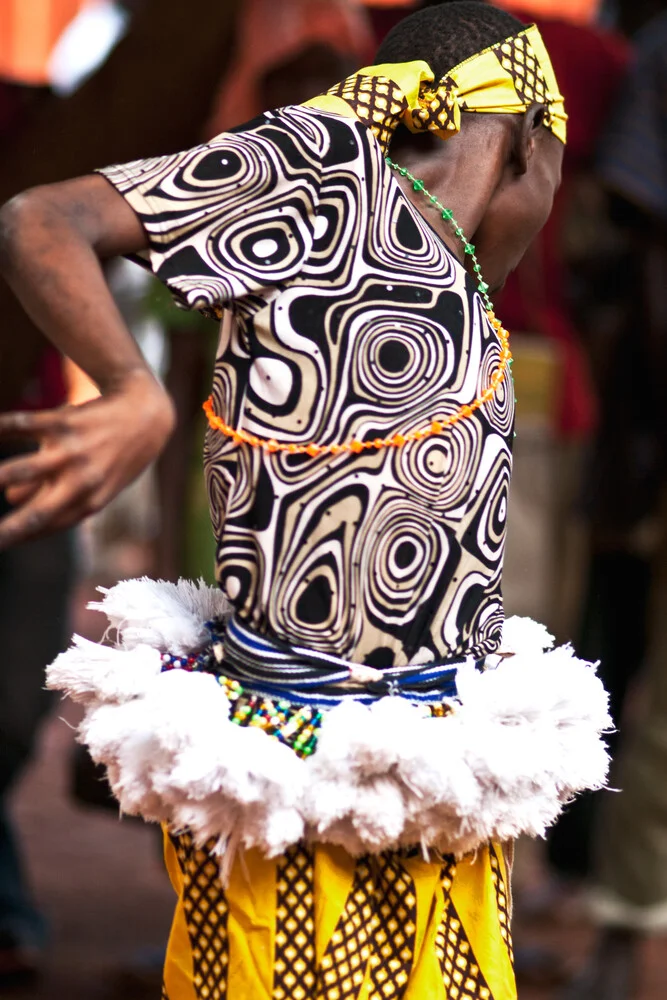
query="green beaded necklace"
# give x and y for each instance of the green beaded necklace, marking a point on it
(448, 216)
(482, 286)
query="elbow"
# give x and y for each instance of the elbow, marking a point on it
(10, 214)
(29, 222)
(15, 217)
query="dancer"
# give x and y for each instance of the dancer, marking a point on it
(339, 752)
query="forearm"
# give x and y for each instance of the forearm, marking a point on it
(50, 250)
(52, 241)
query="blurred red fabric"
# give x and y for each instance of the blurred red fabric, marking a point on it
(590, 66)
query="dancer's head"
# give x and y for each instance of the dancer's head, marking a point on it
(473, 104)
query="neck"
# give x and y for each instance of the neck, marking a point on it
(462, 172)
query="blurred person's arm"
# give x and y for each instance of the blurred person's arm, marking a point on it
(52, 240)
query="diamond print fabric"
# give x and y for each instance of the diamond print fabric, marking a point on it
(206, 913)
(502, 900)
(394, 927)
(502, 79)
(378, 102)
(518, 59)
(294, 963)
(343, 966)
(438, 109)
(318, 924)
(461, 974)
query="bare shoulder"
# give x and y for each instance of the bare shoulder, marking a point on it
(89, 204)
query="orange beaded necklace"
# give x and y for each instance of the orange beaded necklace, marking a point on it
(354, 445)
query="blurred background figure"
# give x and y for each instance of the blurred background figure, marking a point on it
(554, 303)
(36, 583)
(36, 578)
(629, 899)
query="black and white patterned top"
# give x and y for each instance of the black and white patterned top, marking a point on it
(345, 316)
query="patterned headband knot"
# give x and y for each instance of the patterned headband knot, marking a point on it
(505, 78)
(437, 109)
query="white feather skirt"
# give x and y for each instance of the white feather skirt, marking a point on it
(519, 742)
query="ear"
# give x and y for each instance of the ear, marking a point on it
(525, 135)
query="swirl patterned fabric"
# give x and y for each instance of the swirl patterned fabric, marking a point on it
(343, 315)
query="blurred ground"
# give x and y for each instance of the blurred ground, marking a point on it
(573, 942)
(99, 880)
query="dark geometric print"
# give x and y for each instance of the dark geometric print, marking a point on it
(206, 913)
(377, 101)
(373, 942)
(294, 968)
(461, 975)
(343, 967)
(515, 55)
(394, 929)
(347, 317)
(502, 900)
(437, 107)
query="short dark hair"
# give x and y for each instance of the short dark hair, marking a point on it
(447, 33)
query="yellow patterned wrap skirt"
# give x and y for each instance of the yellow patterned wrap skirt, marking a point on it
(318, 924)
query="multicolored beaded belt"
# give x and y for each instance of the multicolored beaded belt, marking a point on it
(283, 689)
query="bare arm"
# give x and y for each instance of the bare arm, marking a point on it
(51, 242)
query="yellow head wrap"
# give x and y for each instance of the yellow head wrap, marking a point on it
(505, 78)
